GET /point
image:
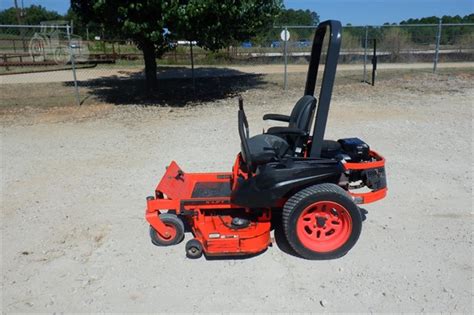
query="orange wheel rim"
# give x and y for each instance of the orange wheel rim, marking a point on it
(324, 226)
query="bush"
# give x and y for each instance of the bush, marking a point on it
(465, 41)
(350, 41)
(394, 40)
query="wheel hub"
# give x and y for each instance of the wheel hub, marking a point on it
(320, 222)
(324, 226)
(169, 233)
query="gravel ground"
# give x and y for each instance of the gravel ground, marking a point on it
(74, 182)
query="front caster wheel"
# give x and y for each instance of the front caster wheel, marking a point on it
(193, 249)
(321, 222)
(174, 231)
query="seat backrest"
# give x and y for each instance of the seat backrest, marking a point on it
(302, 114)
(244, 138)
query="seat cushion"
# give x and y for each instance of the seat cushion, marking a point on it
(265, 148)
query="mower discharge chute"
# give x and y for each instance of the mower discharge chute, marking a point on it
(312, 187)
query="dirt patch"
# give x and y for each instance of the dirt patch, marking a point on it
(75, 180)
(55, 114)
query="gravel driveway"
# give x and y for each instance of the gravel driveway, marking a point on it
(74, 183)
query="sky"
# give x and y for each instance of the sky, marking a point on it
(356, 12)
(373, 12)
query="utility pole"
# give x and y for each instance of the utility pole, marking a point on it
(19, 21)
(18, 13)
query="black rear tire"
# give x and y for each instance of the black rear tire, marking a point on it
(176, 228)
(309, 245)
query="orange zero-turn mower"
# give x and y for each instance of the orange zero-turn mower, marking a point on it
(290, 175)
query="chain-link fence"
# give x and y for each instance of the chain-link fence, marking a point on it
(30, 53)
(46, 46)
(406, 44)
(48, 64)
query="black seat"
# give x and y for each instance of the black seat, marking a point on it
(300, 117)
(266, 148)
(259, 149)
(299, 124)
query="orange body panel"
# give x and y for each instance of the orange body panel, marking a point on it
(379, 162)
(371, 196)
(374, 195)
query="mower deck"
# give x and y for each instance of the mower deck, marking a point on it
(203, 200)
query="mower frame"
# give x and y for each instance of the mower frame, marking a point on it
(207, 202)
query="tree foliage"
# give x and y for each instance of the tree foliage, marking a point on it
(418, 34)
(32, 15)
(290, 17)
(297, 17)
(217, 24)
(154, 25)
(450, 34)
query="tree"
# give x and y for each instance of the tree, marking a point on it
(297, 17)
(32, 15)
(449, 34)
(395, 40)
(289, 17)
(8, 16)
(154, 25)
(349, 40)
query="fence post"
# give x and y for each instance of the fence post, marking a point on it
(5, 59)
(438, 40)
(374, 62)
(366, 43)
(73, 65)
(192, 66)
(285, 81)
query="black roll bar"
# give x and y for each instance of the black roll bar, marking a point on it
(329, 74)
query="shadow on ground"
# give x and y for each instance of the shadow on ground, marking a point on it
(175, 86)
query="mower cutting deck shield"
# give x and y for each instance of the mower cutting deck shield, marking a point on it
(311, 186)
(204, 198)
